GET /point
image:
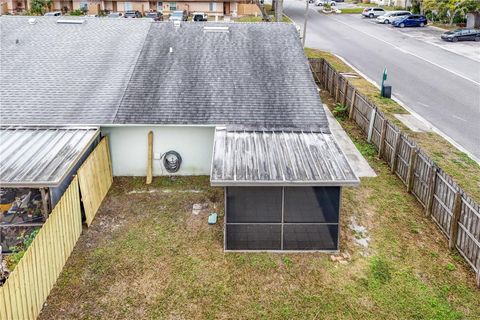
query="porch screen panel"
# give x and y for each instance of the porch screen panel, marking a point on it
(282, 218)
(254, 237)
(310, 237)
(254, 205)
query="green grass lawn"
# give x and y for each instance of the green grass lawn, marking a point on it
(462, 168)
(351, 10)
(147, 257)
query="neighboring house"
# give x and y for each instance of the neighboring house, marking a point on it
(13, 6)
(236, 101)
(210, 7)
(394, 3)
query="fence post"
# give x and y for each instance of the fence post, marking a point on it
(371, 124)
(352, 104)
(331, 81)
(478, 276)
(457, 209)
(394, 152)
(431, 191)
(382, 138)
(345, 86)
(325, 74)
(337, 89)
(411, 169)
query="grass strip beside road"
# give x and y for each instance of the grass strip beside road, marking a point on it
(464, 170)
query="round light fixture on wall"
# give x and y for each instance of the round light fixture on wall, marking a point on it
(172, 161)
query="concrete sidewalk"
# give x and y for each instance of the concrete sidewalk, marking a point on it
(357, 161)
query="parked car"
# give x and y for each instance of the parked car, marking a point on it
(373, 12)
(132, 14)
(114, 15)
(462, 35)
(178, 16)
(319, 3)
(391, 16)
(156, 16)
(53, 14)
(413, 20)
(199, 16)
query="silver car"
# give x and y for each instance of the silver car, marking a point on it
(391, 16)
(372, 12)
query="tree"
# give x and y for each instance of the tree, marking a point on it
(37, 7)
(448, 10)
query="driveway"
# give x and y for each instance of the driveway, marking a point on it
(436, 80)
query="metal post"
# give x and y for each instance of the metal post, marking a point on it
(305, 24)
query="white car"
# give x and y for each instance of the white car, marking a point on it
(391, 16)
(373, 12)
(319, 3)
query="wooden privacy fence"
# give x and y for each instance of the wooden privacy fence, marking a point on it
(455, 213)
(95, 178)
(29, 284)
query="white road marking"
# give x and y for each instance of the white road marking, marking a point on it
(414, 113)
(425, 105)
(457, 117)
(412, 54)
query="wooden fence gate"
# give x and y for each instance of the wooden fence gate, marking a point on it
(95, 179)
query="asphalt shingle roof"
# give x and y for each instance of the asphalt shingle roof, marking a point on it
(65, 73)
(121, 71)
(253, 76)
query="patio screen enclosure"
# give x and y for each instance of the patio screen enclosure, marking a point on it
(282, 218)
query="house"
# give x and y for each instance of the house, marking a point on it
(234, 101)
(94, 7)
(210, 7)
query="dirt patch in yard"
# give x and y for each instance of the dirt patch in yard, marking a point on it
(147, 257)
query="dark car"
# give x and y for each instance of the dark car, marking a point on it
(414, 20)
(156, 16)
(133, 14)
(199, 16)
(462, 35)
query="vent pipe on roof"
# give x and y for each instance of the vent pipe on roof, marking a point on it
(170, 50)
(71, 21)
(216, 29)
(177, 23)
(32, 21)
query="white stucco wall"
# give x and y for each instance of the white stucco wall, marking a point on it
(128, 147)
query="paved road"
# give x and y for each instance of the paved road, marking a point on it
(438, 81)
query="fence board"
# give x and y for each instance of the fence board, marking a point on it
(421, 178)
(26, 289)
(469, 233)
(433, 188)
(405, 148)
(95, 178)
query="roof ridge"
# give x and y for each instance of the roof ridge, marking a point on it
(134, 66)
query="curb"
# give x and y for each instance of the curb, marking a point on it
(412, 112)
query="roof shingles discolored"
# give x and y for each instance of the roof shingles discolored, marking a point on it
(253, 76)
(122, 71)
(55, 73)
